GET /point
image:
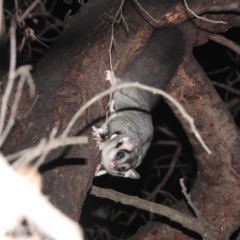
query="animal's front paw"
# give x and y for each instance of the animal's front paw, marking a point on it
(99, 135)
(111, 78)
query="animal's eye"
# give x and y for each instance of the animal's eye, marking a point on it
(121, 169)
(120, 155)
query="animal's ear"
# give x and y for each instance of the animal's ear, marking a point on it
(131, 173)
(129, 144)
(98, 135)
(100, 171)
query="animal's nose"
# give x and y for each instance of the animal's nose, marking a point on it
(112, 165)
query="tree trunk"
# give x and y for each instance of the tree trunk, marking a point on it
(73, 71)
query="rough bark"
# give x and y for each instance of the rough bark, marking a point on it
(73, 71)
(216, 189)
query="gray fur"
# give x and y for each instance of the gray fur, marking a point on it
(126, 137)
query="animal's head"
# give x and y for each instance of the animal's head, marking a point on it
(119, 157)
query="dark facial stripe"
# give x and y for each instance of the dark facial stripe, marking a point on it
(119, 144)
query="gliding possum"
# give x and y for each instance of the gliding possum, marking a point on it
(126, 136)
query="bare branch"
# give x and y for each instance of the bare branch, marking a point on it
(29, 9)
(185, 220)
(225, 42)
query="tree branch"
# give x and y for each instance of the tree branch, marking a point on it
(186, 221)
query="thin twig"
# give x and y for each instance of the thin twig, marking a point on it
(11, 78)
(44, 154)
(24, 73)
(112, 34)
(112, 41)
(140, 6)
(28, 10)
(202, 18)
(27, 155)
(16, 10)
(166, 131)
(189, 200)
(226, 87)
(31, 107)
